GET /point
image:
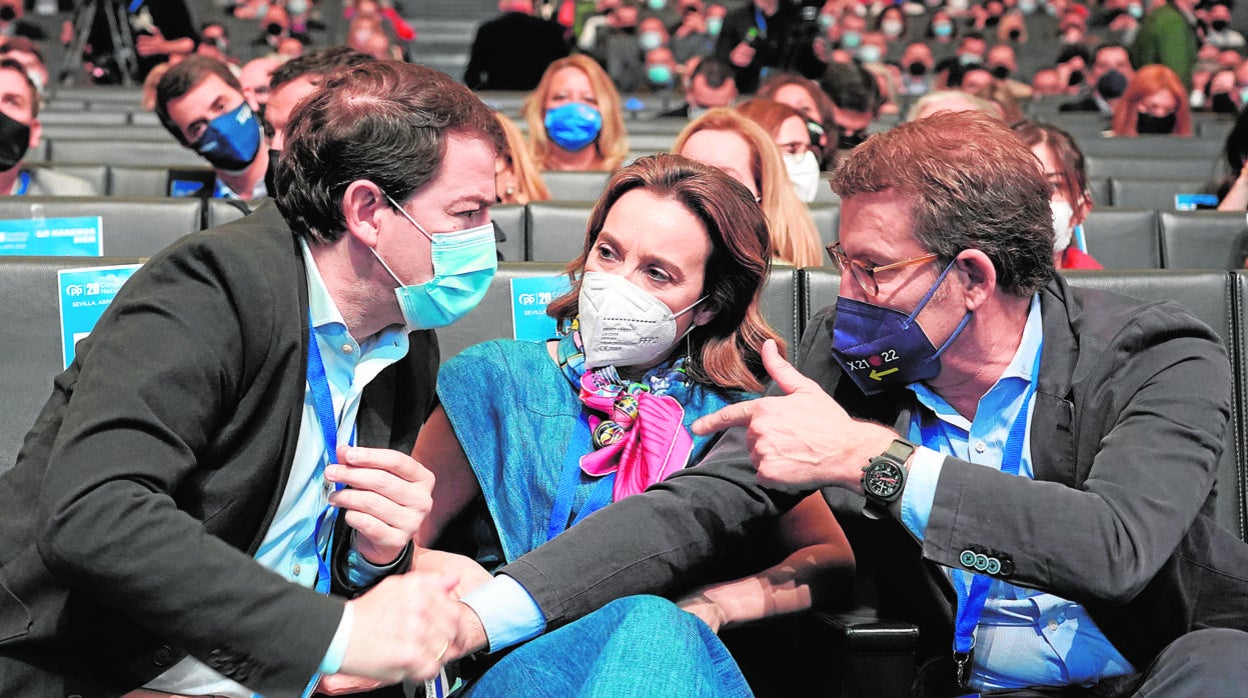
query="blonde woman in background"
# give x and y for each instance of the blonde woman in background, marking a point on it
(515, 176)
(575, 118)
(724, 138)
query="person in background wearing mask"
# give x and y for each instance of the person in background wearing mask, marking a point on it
(203, 486)
(1003, 65)
(760, 35)
(1063, 167)
(917, 64)
(787, 127)
(575, 119)
(715, 15)
(726, 139)
(804, 95)
(691, 38)
(213, 41)
(254, 79)
(1047, 82)
(675, 256)
(977, 425)
(1167, 35)
(616, 46)
(1072, 65)
(855, 95)
(1154, 103)
(1216, 97)
(1107, 79)
(12, 24)
(511, 51)
(651, 34)
(1220, 33)
(201, 103)
(710, 85)
(891, 22)
(941, 29)
(20, 131)
(290, 83)
(1233, 189)
(661, 71)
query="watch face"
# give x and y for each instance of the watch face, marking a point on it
(883, 479)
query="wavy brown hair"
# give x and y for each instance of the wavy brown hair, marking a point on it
(725, 352)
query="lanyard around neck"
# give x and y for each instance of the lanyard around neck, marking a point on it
(323, 404)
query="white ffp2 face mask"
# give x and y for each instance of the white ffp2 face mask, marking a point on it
(1062, 213)
(622, 325)
(804, 173)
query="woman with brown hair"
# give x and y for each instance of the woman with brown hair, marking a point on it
(662, 325)
(788, 129)
(1155, 102)
(1070, 199)
(575, 118)
(724, 138)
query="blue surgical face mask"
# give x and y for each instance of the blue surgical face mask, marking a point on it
(713, 25)
(656, 4)
(869, 53)
(1136, 11)
(464, 263)
(850, 39)
(942, 29)
(573, 125)
(659, 75)
(231, 141)
(880, 348)
(827, 21)
(649, 41)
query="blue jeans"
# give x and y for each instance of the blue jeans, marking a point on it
(636, 646)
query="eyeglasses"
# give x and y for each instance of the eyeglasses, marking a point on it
(864, 275)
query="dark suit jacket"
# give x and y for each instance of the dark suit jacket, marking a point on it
(512, 51)
(1126, 431)
(128, 525)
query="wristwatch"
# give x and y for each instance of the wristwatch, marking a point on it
(884, 477)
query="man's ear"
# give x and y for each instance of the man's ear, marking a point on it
(362, 207)
(980, 275)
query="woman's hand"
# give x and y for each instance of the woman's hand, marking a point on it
(701, 605)
(471, 575)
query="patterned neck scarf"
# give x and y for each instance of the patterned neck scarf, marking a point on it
(636, 427)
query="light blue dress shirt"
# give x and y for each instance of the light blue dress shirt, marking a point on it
(1025, 637)
(287, 547)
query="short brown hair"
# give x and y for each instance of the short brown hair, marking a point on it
(725, 352)
(183, 78)
(382, 121)
(974, 184)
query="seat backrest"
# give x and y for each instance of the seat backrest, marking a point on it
(818, 288)
(1209, 296)
(1238, 424)
(651, 142)
(97, 175)
(1123, 238)
(781, 303)
(83, 118)
(1201, 239)
(153, 180)
(575, 185)
(132, 226)
(1120, 164)
(1152, 146)
(1158, 192)
(1099, 188)
(556, 229)
(151, 153)
(510, 219)
(120, 132)
(30, 340)
(827, 217)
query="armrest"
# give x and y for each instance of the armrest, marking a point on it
(876, 657)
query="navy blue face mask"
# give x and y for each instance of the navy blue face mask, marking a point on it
(231, 140)
(880, 348)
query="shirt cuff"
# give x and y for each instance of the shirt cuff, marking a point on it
(362, 573)
(338, 646)
(508, 613)
(920, 491)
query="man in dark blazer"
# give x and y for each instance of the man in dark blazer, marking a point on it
(1038, 461)
(511, 51)
(162, 524)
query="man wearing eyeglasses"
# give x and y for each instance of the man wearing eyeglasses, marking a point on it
(1025, 470)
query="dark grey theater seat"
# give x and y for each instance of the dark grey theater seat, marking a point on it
(510, 219)
(151, 153)
(1152, 146)
(1201, 239)
(556, 229)
(1124, 164)
(1152, 192)
(575, 185)
(30, 340)
(1210, 296)
(818, 288)
(132, 227)
(97, 175)
(1123, 238)
(152, 180)
(827, 217)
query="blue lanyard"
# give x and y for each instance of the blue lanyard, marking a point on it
(760, 20)
(570, 478)
(323, 403)
(23, 184)
(971, 601)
